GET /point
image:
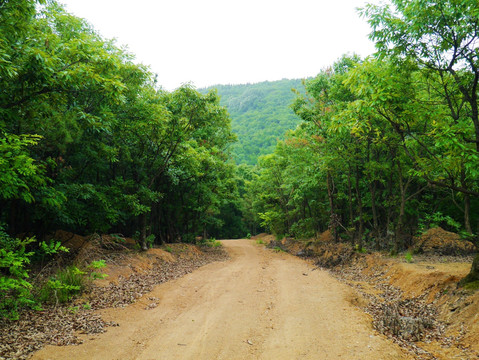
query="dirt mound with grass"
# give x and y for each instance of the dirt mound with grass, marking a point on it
(324, 251)
(418, 303)
(437, 241)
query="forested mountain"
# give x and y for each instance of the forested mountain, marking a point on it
(260, 115)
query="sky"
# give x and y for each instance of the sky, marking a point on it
(211, 42)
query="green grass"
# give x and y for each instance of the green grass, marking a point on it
(260, 242)
(61, 287)
(474, 285)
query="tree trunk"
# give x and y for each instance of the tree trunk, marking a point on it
(143, 226)
(360, 211)
(467, 213)
(372, 190)
(474, 273)
(333, 217)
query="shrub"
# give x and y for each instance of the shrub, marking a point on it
(96, 265)
(14, 287)
(61, 287)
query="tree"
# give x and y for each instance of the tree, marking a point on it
(440, 37)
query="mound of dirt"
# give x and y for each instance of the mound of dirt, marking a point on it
(326, 236)
(437, 241)
(325, 252)
(419, 304)
(329, 255)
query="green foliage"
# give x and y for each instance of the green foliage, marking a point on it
(14, 286)
(212, 242)
(61, 287)
(69, 282)
(260, 115)
(260, 242)
(436, 219)
(113, 150)
(474, 286)
(408, 257)
(96, 265)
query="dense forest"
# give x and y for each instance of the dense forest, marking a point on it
(260, 115)
(385, 147)
(89, 143)
(389, 145)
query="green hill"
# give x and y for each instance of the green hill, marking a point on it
(260, 115)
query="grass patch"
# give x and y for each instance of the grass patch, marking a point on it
(213, 243)
(474, 285)
(260, 242)
(61, 287)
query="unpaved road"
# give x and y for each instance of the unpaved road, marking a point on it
(258, 305)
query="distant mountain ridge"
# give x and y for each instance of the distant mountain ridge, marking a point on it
(260, 114)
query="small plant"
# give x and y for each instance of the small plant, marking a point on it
(361, 250)
(150, 240)
(169, 249)
(61, 287)
(278, 249)
(14, 286)
(260, 242)
(408, 257)
(248, 236)
(87, 306)
(95, 265)
(209, 242)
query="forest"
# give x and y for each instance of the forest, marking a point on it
(384, 148)
(260, 115)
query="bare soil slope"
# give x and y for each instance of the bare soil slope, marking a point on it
(258, 305)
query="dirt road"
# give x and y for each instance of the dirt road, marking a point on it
(258, 305)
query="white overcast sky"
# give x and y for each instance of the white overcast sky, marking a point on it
(210, 42)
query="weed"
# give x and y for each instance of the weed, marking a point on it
(278, 249)
(87, 306)
(408, 257)
(95, 265)
(260, 242)
(209, 242)
(169, 249)
(61, 287)
(248, 236)
(360, 250)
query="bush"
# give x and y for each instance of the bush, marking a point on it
(61, 287)
(68, 282)
(14, 287)
(209, 242)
